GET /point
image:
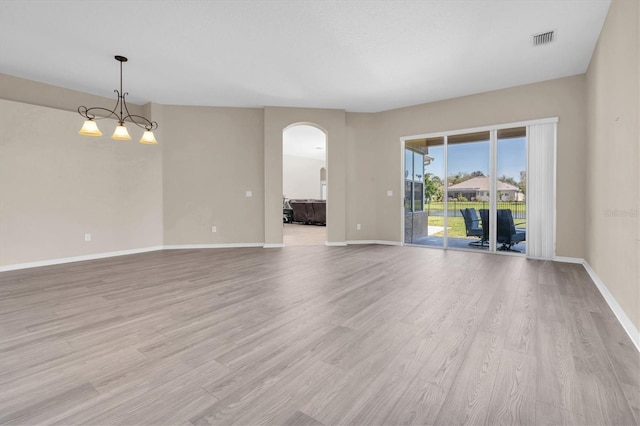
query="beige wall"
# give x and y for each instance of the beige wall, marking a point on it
(56, 185)
(613, 183)
(32, 92)
(564, 98)
(212, 156)
(361, 174)
(301, 177)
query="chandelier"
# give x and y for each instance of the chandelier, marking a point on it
(90, 127)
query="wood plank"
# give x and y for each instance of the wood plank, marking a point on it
(373, 403)
(42, 410)
(624, 357)
(300, 419)
(632, 394)
(550, 415)
(557, 379)
(513, 400)
(521, 335)
(418, 405)
(602, 396)
(468, 398)
(169, 401)
(304, 352)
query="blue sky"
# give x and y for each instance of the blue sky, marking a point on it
(469, 157)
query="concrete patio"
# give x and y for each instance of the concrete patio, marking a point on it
(460, 243)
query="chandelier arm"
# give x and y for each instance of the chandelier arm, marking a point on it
(86, 112)
(151, 125)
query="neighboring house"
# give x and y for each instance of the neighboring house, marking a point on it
(477, 189)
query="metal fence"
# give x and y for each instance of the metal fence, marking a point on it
(518, 208)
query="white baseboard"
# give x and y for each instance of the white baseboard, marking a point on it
(354, 242)
(207, 246)
(625, 321)
(95, 256)
(389, 243)
(577, 260)
(380, 242)
(49, 262)
(62, 260)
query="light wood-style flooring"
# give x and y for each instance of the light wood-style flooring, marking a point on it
(312, 335)
(304, 235)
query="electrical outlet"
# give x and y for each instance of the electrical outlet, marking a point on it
(358, 227)
(87, 237)
(214, 229)
(389, 193)
(248, 193)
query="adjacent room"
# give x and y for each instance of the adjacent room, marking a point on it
(304, 185)
(320, 212)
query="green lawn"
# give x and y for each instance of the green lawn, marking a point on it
(456, 226)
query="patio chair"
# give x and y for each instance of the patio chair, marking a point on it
(484, 221)
(508, 235)
(473, 227)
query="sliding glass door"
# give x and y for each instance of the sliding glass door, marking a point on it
(481, 204)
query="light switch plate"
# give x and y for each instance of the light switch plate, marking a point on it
(248, 194)
(389, 193)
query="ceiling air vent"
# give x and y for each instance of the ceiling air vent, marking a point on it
(544, 38)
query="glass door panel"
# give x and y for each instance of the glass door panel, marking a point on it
(408, 196)
(511, 183)
(415, 223)
(424, 189)
(468, 191)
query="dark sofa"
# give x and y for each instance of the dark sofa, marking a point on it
(311, 212)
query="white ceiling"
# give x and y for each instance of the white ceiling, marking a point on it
(304, 141)
(361, 55)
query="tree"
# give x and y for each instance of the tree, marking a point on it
(508, 179)
(523, 182)
(433, 187)
(462, 176)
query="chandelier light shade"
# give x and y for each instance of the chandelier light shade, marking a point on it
(121, 134)
(90, 128)
(119, 112)
(148, 138)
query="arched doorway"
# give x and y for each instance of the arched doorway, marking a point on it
(304, 185)
(332, 123)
